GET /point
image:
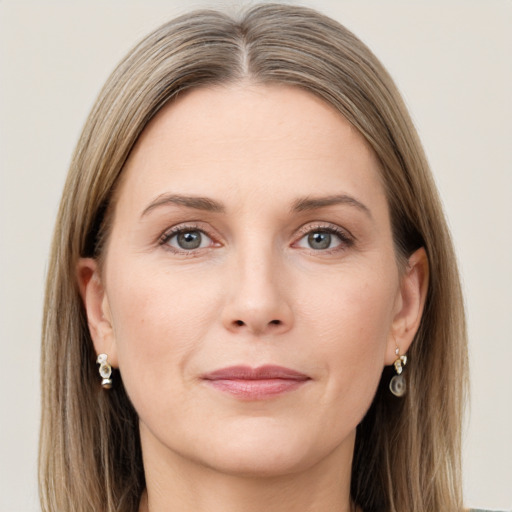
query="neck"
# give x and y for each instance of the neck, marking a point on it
(183, 485)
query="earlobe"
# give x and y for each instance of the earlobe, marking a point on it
(97, 308)
(413, 293)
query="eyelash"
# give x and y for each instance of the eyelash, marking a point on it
(346, 239)
(177, 230)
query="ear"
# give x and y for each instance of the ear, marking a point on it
(409, 305)
(97, 309)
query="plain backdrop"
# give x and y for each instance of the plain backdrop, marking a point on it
(452, 62)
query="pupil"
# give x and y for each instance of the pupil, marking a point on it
(189, 240)
(319, 240)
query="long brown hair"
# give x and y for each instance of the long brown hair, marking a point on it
(405, 458)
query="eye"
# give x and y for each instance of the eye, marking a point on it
(186, 239)
(322, 239)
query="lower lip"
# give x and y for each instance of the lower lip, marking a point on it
(258, 389)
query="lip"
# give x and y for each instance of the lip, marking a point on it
(259, 383)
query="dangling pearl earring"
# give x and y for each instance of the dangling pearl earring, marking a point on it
(397, 384)
(105, 371)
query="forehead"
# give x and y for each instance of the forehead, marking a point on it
(250, 137)
(242, 111)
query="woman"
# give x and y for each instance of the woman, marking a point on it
(251, 247)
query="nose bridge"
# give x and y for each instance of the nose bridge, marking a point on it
(257, 301)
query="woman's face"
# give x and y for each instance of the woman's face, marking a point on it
(250, 295)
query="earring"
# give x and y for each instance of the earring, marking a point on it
(397, 384)
(105, 371)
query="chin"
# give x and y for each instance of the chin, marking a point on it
(261, 452)
(260, 462)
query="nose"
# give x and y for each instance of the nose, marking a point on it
(257, 300)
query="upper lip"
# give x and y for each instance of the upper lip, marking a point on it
(260, 373)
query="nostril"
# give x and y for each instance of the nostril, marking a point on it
(275, 322)
(239, 323)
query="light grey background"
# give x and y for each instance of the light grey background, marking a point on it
(452, 61)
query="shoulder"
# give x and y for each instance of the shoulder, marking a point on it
(482, 510)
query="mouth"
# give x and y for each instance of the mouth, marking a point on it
(264, 382)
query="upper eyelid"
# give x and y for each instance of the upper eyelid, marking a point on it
(327, 226)
(185, 226)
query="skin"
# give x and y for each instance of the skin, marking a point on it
(258, 290)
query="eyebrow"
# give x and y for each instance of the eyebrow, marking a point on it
(315, 203)
(210, 205)
(195, 202)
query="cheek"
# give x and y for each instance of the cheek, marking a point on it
(160, 321)
(353, 306)
(350, 326)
